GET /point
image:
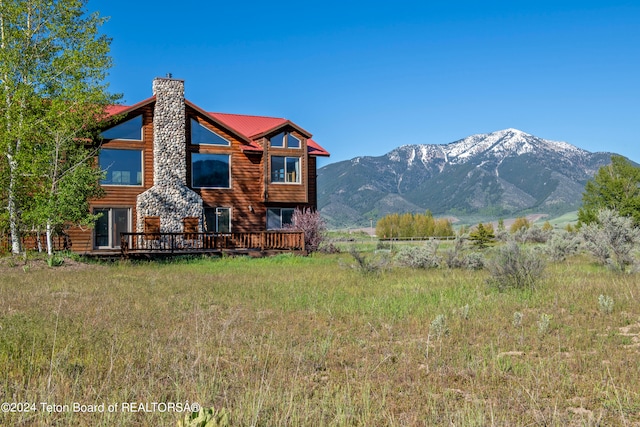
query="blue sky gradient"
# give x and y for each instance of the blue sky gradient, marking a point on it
(366, 77)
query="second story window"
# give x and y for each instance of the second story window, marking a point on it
(210, 170)
(128, 130)
(122, 167)
(285, 169)
(202, 135)
(284, 140)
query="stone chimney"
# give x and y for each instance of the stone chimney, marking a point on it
(169, 136)
(169, 198)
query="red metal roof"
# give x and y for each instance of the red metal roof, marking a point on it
(315, 149)
(253, 126)
(113, 110)
(250, 127)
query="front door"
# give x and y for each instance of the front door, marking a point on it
(111, 223)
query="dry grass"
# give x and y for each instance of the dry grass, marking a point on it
(306, 341)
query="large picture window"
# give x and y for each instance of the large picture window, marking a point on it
(202, 135)
(285, 169)
(131, 130)
(122, 167)
(210, 170)
(217, 220)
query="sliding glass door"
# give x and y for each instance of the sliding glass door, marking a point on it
(111, 223)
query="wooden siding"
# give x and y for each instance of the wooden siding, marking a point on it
(312, 182)
(279, 192)
(245, 197)
(122, 196)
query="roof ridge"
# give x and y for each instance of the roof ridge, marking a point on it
(248, 115)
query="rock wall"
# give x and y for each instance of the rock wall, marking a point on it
(170, 198)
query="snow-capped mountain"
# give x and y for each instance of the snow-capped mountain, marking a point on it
(499, 173)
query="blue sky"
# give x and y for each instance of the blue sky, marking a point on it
(366, 77)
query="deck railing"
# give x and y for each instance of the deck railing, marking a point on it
(209, 242)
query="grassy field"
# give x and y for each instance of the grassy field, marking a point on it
(310, 341)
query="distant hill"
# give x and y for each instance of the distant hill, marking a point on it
(497, 174)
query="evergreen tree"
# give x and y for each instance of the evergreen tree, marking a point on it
(482, 235)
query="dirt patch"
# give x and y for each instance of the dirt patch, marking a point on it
(633, 332)
(19, 263)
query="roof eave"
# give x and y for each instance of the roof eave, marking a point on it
(218, 122)
(131, 108)
(289, 123)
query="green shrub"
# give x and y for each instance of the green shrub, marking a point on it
(55, 260)
(209, 417)
(515, 267)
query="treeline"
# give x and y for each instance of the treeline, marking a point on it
(413, 225)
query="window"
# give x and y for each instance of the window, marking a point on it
(285, 139)
(277, 218)
(202, 135)
(217, 220)
(123, 167)
(109, 225)
(285, 169)
(210, 170)
(131, 130)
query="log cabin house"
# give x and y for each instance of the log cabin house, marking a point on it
(181, 178)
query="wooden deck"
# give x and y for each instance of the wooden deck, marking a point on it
(149, 245)
(157, 245)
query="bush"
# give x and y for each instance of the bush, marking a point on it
(605, 304)
(562, 245)
(313, 226)
(538, 235)
(455, 258)
(472, 261)
(612, 239)
(55, 260)
(419, 256)
(367, 265)
(329, 248)
(515, 267)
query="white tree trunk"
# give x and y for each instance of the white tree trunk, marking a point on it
(49, 239)
(13, 208)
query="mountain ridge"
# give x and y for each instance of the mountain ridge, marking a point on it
(498, 173)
